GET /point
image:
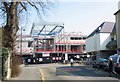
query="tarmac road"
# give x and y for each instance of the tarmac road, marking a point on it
(61, 72)
(78, 72)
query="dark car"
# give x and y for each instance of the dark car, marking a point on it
(100, 63)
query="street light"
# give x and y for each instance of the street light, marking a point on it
(51, 46)
(22, 29)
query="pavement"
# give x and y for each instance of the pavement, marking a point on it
(30, 72)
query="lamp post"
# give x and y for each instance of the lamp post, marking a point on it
(21, 42)
(51, 46)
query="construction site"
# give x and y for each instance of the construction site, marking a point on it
(49, 43)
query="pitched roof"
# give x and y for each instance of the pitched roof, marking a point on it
(105, 27)
(117, 12)
(108, 27)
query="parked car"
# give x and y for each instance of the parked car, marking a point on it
(100, 63)
(116, 59)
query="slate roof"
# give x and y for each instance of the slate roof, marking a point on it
(105, 27)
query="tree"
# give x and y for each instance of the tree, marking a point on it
(11, 10)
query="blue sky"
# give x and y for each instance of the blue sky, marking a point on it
(81, 16)
(78, 15)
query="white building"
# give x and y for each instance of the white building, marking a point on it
(22, 45)
(102, 41)
(117, 14)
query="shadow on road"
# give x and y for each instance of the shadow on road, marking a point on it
(81, 71)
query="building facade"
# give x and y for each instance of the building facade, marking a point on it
(71, 44)
(50, 43)
(99, 43)
(117, 15)
(22, 45)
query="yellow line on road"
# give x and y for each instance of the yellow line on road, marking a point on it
(42, 75)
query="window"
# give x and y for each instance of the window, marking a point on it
(75, 38)
(72, 38)
(84, 38)
(29, 43)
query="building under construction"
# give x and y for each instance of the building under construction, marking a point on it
(48, 42)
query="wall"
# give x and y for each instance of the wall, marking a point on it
(66, 39)
(118, 28)
(25, 48)
(105, 38)
(97, 42)
(93, 43)
(119, 5)
(90, 44)
(71, 45)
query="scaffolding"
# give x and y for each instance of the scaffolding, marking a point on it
(44, 34)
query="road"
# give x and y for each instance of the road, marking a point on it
(62, 72)
(78, 72)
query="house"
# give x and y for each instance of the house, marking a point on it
(99, 44)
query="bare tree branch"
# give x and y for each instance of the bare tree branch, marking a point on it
(23, 6)
(6, 6)
(34, 5)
